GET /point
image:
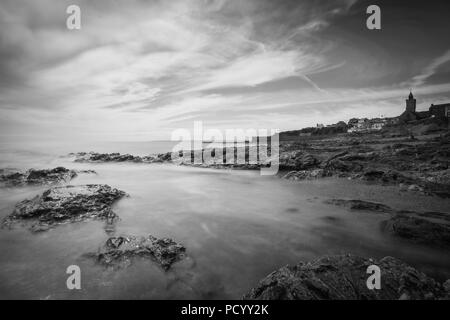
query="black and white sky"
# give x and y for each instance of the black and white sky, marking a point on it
(139, 69)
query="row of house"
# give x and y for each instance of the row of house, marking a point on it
(410, 115)
(365, 124)
(440, 111)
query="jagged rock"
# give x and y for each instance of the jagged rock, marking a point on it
(305, 174)
(439, 189)
(423, 163)
(344, 277)
(105, 157)
(361, 205)
(66, 204)
(394, 177)
(117, 157)
(297, 160)
(415, 187)
(33, 176)
(118, 252)
(373, 175)
(386, 176)
(368, 156)
(447, 289)
(432, 228)
(165, 157)
(87, 171)
(339, 166)
(335, 156)
(419, 229)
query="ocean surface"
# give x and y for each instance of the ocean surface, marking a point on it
(237, 227)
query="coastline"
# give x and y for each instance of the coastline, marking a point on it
(359, 168)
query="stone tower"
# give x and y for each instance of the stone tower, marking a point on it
(411, 103)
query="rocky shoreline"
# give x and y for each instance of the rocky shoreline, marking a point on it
(77, 203)
(94, 157)
(329, 277)
(18, 178)
(413, 165)
(33, 176)
(66, 204)
(344, 277)
(119, 252)
(430, 228)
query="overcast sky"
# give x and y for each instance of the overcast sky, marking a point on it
(139, 69)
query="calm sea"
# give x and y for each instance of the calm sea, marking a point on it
(237, 227)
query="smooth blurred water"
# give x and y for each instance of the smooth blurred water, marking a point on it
(237, 227)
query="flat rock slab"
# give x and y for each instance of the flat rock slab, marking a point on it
(94, 157)
(118, 252)
(305, 175)
(66, 204)
(297, 160)
(361, 205)
(344, 277)
(419, 230)
(431, 228)
(33, 176)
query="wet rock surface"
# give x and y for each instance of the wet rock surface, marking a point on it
(119, 252)
(419, 229)
(66, 204)
(414, 165)
(431, 228)
(297, 160)
(94, 157)
(361, 205)
(305, 175)
(344, 277)
(35, 177)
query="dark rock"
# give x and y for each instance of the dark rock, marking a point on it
(373, 175)
(305, 174)
(439, 189)
(422, 163)
(297, 161)
(361, 205)
(13, 177)
(344, 277)
(431, 228)
(119, 252)
(358, 157)
(419, 229)
(33, 176)
(395, 177)
(436, 216)
(339, 166)
(447, 289)
(165, 157)
(66, 204)
(117, 157)
(87, 171)
(106, 157)
(331, 219)
(335, 156)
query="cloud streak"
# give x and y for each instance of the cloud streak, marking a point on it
(140, 68)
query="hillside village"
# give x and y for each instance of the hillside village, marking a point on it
(439, 113)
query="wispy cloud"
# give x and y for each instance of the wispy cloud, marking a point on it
(430, 69)
(141, 68)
